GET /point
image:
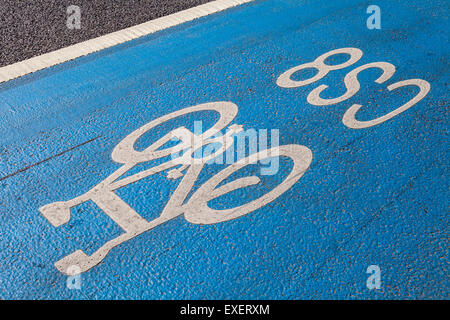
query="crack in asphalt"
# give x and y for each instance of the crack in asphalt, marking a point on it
(47, 159)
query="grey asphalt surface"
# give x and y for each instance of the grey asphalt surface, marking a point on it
(30, 28)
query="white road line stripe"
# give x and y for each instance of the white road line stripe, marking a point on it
(46, 60)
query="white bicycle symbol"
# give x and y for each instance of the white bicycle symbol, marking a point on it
(196, 209)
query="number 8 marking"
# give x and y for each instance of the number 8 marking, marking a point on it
(319, 64)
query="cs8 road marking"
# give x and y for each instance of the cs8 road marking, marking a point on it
(352, 85)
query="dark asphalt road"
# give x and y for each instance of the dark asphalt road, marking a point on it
(31, 28)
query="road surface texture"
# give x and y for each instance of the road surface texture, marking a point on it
(369, 191)
(30, 28)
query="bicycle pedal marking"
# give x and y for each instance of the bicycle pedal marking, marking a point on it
(196, 209)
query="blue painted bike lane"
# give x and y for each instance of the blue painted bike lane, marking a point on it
(372, 196)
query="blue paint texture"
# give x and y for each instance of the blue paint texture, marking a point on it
(376, 196)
